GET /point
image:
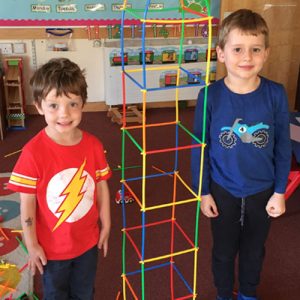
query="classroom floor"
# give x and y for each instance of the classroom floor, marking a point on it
(281, 274)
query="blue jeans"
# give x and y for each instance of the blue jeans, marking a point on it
(72, 278)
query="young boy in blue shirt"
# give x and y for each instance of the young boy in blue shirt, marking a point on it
(247, 156)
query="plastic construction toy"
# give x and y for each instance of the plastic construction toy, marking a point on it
(146, 268)
(24, 296)
(127, 197)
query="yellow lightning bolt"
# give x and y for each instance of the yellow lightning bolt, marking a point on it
(73, 195)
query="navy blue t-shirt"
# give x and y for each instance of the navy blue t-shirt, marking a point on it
(247, 135)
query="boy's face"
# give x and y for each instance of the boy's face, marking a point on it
(243, 54)
(62, 113)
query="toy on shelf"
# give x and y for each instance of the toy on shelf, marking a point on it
(170, 79)
(14, 92)
(190, 55)
(213, 55)
(149, 57)
(168, 56)
(117, 60)
(194, 77)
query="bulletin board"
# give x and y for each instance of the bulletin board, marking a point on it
(87, 12)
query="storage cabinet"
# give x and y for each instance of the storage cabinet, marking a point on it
(14, 94)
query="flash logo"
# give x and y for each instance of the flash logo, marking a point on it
(72, 194)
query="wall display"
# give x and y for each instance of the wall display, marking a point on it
(86, 12)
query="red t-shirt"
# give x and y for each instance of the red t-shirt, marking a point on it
(64, 179)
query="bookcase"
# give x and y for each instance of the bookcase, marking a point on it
(14, 93)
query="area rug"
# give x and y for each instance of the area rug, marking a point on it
(16, 281)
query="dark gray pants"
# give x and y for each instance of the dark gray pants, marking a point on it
(240, 229)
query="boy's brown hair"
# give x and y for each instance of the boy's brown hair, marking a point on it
(245, 20)
(60, 74)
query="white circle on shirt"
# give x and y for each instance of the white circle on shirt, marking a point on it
(70, 195)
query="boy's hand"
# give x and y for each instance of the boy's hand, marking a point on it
(208, 206)
(103, 240)
(276, 205)
(37, 259)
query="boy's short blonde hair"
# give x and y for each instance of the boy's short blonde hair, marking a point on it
(245, 20)
(60, 74)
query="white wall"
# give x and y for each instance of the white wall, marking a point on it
(84, 54)
(87, 57)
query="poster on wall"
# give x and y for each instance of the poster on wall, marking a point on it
(89, 12)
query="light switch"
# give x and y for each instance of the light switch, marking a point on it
(19, 48)
(5, 48)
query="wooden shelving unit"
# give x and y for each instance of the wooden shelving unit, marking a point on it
(13, 90)
(132, 115)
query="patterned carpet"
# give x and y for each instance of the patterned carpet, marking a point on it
(15, 278)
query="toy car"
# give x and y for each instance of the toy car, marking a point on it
(127, 197)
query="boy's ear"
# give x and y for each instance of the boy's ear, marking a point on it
(267, 52)
(220, 54)
(39, 108)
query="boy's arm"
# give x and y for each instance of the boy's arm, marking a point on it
(282, 143)
(282, 155)
(103, 202)
(37, 257)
